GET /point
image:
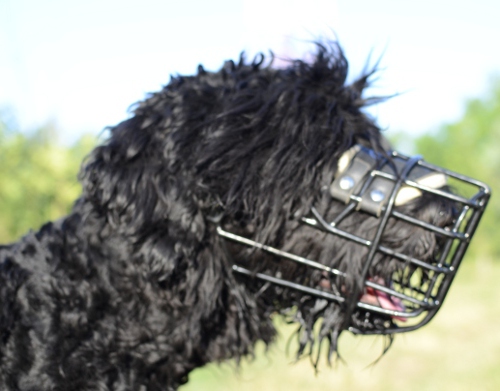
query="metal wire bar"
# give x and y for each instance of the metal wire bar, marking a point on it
(275, 251)
(289, 284)
(367, 243)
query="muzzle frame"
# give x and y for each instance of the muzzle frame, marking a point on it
(375, 185)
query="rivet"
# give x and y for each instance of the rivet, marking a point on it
(377, 195)
(346, 183)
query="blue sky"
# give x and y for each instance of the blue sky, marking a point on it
(82, 64)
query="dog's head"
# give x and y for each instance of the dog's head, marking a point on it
(376, 253)
(357, 235)
(253, 190)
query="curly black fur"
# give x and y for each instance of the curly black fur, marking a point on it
(134, 288)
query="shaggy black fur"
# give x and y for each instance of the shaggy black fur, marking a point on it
(134, 288)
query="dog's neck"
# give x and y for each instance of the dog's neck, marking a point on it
(129, 304)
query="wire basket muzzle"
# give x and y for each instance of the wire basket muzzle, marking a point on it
(370, 183)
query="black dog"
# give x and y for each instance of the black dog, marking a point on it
(169, 259)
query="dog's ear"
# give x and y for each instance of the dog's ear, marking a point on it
(129, 193)
(127, 182)
(111, 173)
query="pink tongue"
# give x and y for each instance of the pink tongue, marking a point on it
(382, 299)
(389, 303)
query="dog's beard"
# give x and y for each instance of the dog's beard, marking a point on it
(321, 321)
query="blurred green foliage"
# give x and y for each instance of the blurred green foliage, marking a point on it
(470, 146)
(38, 174)
(37, 177)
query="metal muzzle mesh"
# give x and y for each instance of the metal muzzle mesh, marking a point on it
(370, 183)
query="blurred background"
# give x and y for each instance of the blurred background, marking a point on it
(68, 69)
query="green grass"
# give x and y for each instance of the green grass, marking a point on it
(458, 350)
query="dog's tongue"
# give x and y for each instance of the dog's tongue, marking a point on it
(382, 299)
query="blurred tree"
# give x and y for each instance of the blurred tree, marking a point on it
(38, 175)
(470, 146)
(37, 178)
